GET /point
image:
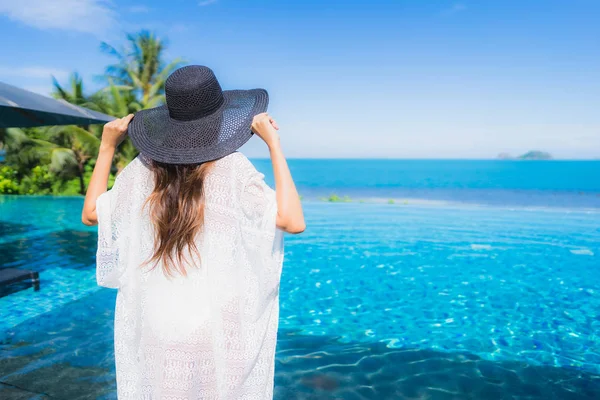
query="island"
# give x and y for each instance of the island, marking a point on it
(530, 155)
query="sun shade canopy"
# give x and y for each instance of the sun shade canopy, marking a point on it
(20, 108)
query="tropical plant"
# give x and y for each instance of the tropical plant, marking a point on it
(73, 148)
(8, 180)
(39, 181)
(25, 150)
(141, 67)
(74, 94)
(119, 101)
(65, 150)
(60, 160)
(113, 100)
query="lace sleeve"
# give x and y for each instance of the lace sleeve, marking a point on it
(261, 238)
(113, 208)
(259, 205)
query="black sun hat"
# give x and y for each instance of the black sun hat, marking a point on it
(200, 122)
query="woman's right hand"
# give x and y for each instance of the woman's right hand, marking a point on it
(266, 128)
(115, 131)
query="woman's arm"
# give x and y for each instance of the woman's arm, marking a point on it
(113, 134)
(290, 217)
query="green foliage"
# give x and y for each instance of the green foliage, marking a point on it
(391, 201)
(25, 149)
(8, 181)
(49, 160)
(75, 93)
(59, 160)
(334, 198)
(39, 181)
(66, 188)
(140, 67)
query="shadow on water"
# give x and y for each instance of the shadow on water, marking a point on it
(64, 248)
(12, 228)
(68, 354)
(58, 380)
(63, 354)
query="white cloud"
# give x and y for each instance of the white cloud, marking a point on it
(206, 2)
(34, 72)
(88, 16)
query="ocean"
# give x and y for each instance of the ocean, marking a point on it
(485, 182)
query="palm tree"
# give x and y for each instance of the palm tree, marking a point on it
(141, 67)
(119, 101)
(74, 94)
(24, 151)
(66, 150)
(113, 100)
(135, 82)
(116, 100)
(73, 147)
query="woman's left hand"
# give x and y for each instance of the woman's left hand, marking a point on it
(115, 131)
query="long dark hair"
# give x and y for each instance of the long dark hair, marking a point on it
(177, 213)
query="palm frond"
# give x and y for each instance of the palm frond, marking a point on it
(169, 68)
(55, 134)
(59, 92)
(63, 161)
(24, 151)
(155, 101)
(111, 85)
(110, 50)
(83, 140)
(75, 95)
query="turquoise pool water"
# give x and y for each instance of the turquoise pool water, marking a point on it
(378, 301)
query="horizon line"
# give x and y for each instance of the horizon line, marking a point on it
(423, 158)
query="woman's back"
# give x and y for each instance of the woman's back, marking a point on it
(211, 333)
(191, 236)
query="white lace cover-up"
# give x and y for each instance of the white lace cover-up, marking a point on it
(212, 334)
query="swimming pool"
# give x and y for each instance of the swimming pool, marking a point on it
(377, 301)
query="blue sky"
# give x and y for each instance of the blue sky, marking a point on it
(398, 79)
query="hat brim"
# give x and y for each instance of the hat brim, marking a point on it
(161, 138)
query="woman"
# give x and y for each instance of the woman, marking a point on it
(191, 236)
